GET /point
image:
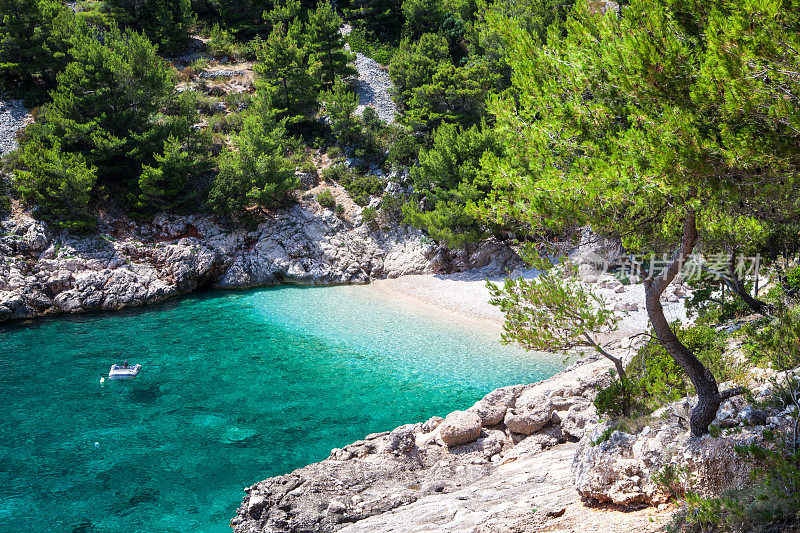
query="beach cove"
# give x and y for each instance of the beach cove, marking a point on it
(252, 384)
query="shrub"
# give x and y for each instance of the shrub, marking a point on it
(339, 104)
(326, 199)
(791, 284)
(222, 44)
(60, 183)
(334, 152)
(403, 148)
(371, 119)
(380, 52)
(369, 216)
(229, 123)
(654, 378)
(610, 400)
(361, 186)
(256, 170)
(777, 343)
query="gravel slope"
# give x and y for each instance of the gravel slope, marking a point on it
(373, 85)
(13, 116)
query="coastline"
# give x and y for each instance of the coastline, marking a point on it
(464, 295)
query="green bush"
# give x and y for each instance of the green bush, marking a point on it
(60, 183)
(611, 400)
(380, 52)
(222, 44)
(778, 342)
(326, 199)
(403, 147)
(369, 215)
(792, 282)
(256, 171)
(654, 378)
(359, 186)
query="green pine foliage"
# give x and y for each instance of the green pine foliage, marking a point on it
(34, 45)
(328, 56)
(255, 171)
(111, 115)
(339, 105)
(107, 100)
(58, 182)
(165, 22)
(378, 19)
(282, 65)
(632, 111)
(165, 185)
(450, 185)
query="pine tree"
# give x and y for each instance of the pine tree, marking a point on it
(106, 101)
(326, 45)
(381, 18)
(255, 170)
(165, 185)
(281, 66)
(340, 104)
(449, 179)
(58, 182)
(34, 44)
(165, 22)
(657, 124)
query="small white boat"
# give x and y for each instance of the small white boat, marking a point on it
(124, 372)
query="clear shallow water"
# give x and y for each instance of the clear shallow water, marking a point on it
(236, 387)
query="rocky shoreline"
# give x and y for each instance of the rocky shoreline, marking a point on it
(128, 263)
(524, 458)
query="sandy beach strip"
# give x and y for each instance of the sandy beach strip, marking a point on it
(465, 296)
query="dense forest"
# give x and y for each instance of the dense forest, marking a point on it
(673, 124)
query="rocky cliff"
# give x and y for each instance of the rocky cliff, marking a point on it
(127, 263)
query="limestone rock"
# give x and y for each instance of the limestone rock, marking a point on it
(432, 423)
(491, 409)
(621, 470)
(529, 421)
(460, 427)
(127, 264)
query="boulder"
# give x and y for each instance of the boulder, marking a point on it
(432, 423)
(460, 427)
(491, 409)
(528, 421)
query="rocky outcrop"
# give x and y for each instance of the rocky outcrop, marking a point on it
(420, 476)
(128, 264)
(460, 427)
(625, 468)
(373, 85)
(523, 458)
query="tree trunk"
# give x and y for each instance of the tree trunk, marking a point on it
(737, 287)
(708, 395)
(623, 376)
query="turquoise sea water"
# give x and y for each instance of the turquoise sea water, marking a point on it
(236, 387)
